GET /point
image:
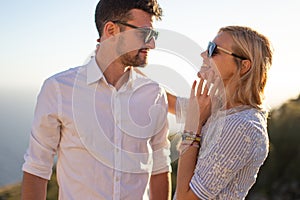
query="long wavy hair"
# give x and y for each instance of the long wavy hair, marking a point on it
(255, 47)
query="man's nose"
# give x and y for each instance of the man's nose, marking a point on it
(151, 44)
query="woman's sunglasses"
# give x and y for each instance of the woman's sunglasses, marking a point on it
(148, 33)
(213, 46)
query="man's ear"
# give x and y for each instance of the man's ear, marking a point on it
(246, 66)
(110, 29)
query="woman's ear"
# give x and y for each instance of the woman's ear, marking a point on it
(110, 29)
(246, 65)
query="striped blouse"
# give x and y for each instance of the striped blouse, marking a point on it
(234, 146)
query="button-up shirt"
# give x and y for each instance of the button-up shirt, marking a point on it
(108, 142)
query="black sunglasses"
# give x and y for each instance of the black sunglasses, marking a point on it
(148, 33)
(213, 46)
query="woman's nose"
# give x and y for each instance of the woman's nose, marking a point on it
(204, 54)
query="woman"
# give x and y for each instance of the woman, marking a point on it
(221, 156)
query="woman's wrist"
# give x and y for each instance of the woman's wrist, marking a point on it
(190, 136)
(189, 139)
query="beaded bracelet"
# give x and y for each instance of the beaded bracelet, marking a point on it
(189, 138)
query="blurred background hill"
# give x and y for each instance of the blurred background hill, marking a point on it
(279, 177)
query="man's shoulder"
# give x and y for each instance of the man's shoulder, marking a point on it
(66, 77)
(71, 72)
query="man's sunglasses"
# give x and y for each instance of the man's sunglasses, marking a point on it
(213, 46)
(148, 33)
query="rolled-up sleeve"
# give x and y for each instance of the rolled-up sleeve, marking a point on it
(45, 132)
(160, 142)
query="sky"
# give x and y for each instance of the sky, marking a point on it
(41, 38)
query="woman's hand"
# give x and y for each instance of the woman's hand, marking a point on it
(200, 103)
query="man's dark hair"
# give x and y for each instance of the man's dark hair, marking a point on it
(110, 10)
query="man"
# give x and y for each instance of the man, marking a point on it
(106, 123)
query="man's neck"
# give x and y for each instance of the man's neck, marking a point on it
(115, 73)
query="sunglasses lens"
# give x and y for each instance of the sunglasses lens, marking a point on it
(210, 49)
(149, 34)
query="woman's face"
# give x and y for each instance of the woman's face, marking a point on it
(223, 64)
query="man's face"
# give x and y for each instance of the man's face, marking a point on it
(132, 47)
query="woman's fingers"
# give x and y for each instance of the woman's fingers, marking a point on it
(193, 89)
(200, 86)
(215, 86)
(206, 89)
(203, 87)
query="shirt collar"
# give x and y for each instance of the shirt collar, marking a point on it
(94, 72)
(135, 79)
(131, 78)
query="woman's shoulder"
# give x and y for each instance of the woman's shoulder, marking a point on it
(248, 120)
(246, 115)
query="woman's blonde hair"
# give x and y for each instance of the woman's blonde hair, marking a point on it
(255, 47)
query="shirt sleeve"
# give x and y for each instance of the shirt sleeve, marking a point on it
(45, 132)
(160, 142)
(181, 109)
(220, 165)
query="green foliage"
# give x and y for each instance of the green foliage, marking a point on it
(52, 188)
(173, 176)
(14, 192)
(11, 192)
(279, 178)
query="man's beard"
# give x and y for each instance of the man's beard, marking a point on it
(130, 55)
(133, 59)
